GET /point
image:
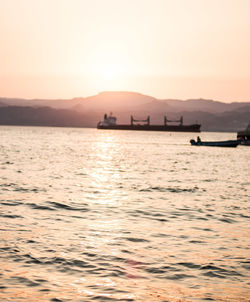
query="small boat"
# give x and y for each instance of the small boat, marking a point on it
(229, 143)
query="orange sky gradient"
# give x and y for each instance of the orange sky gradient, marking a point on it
(164, 48)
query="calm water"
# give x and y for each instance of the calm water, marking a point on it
(92, 215)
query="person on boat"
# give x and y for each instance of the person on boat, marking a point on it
(198, 139)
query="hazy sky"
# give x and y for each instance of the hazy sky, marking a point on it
(164, 48)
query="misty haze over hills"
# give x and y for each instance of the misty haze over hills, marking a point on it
(86, 112)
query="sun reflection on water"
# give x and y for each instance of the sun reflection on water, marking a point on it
(105, 172)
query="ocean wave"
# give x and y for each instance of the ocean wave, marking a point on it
(170, 189)
(11, 216)
(39, 207)
(64, 206)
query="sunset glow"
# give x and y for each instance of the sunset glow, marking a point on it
(108, 70)
(167, 49)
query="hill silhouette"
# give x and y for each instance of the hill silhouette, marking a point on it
(86, 112)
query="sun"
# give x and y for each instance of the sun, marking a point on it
(109, 72)
(109, 69)
(110, 75)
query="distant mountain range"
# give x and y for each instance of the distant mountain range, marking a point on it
(86, 112)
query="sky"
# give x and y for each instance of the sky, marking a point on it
(177, 49)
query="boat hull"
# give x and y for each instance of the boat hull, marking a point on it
(177, 128)
(230, 143)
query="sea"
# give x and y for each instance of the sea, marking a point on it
(109, 215)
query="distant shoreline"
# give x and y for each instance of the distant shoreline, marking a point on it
(79, 127)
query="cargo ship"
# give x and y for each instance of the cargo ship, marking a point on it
(109, 122)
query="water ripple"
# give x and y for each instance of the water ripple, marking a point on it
(122, 216)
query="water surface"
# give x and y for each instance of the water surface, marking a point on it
(95, 215)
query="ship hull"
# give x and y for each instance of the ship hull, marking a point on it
(177, 128)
